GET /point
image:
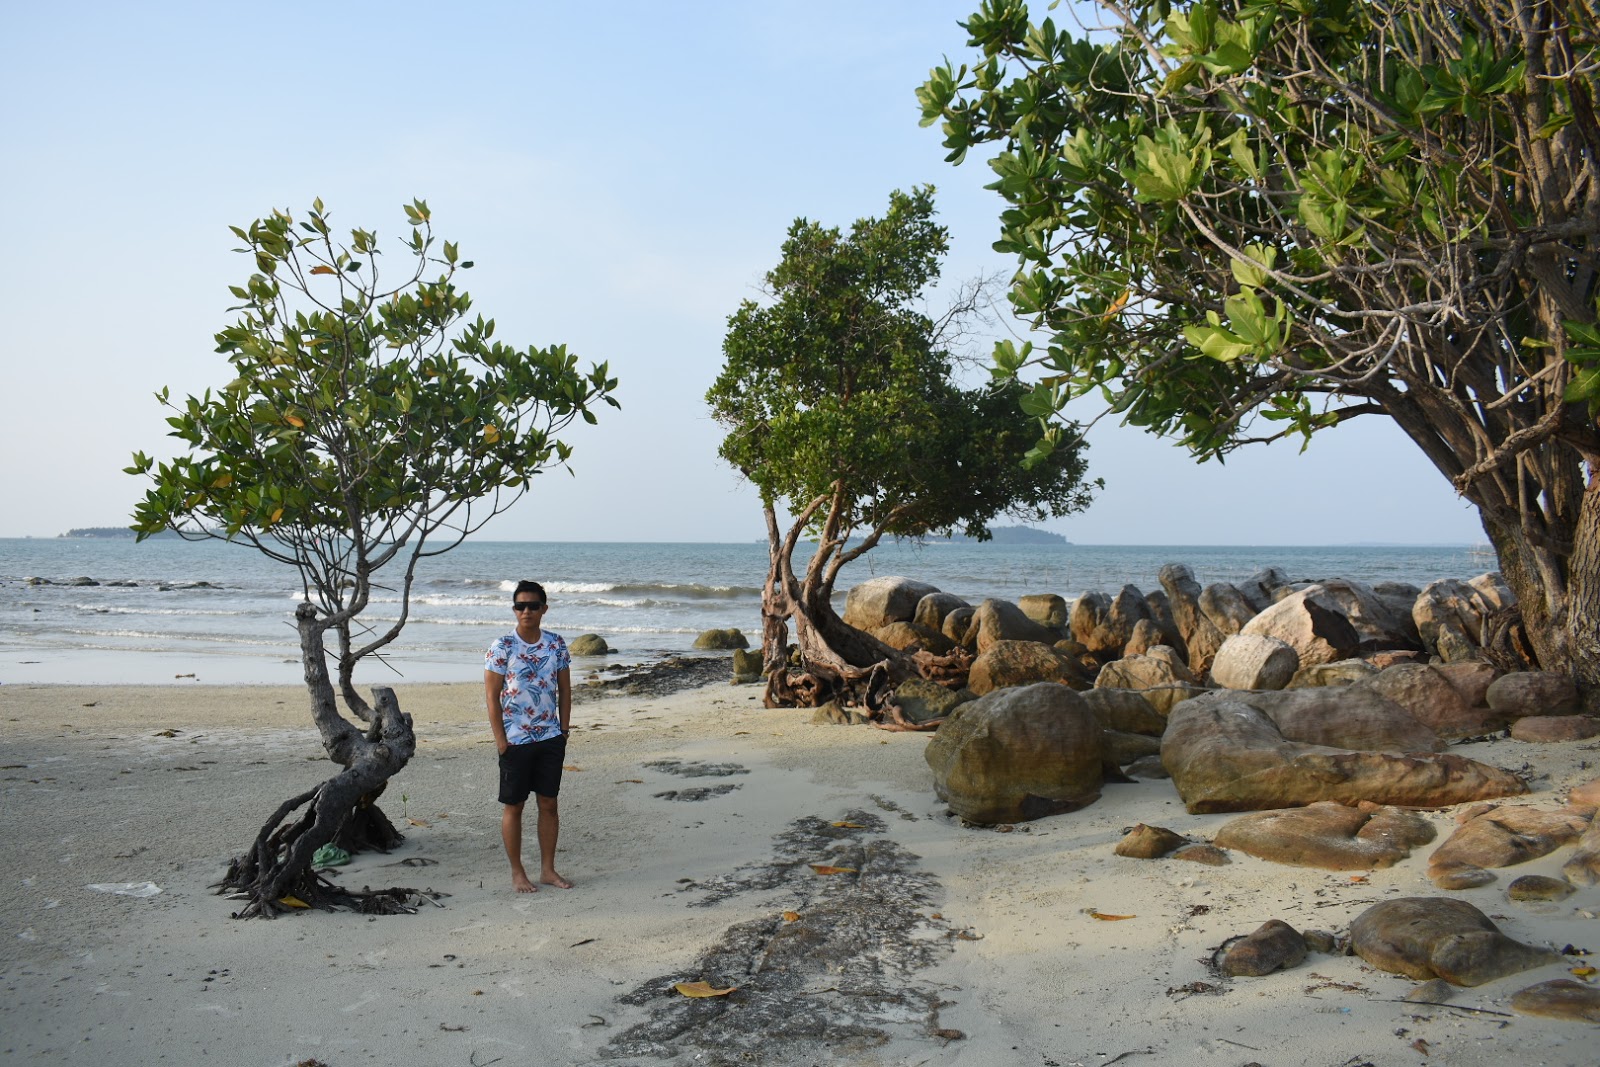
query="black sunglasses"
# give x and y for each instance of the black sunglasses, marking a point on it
(526, 605)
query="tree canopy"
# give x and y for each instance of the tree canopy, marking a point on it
(1239, 220)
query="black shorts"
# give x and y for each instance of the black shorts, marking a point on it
(532, 768)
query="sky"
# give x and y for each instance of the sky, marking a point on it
(621, 173)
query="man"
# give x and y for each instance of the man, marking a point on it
(527, 679)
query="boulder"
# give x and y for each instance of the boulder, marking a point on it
(1549, 729)
(1583, 866)
(1440, 937)
(877, 602)
(1125, 710)
(1007, 664)
(1330, 621)
(1493, 594)
(958, 627)
(1046, 609)
(1471, 678)
(1250, 661)
(721, 639)
(1525, 693)
(1161, 618)
(1261, 588)
(1449, 618)
(1559, 998)
(1502, 836)
(1001, 620)
(1274, 945)
(1428, 694)
(588, 645)
(933, 609)
(1331, 836)
(1201, 637)
(1149, 842)
(922, 701)
(1088, 611)
(1237, 751)
(1200, 852)
(908, 636)
(1399, 597)
(1017, 754)
(1539, 888)
(1341, 672)
(1110, 636)
(1226, 607)
(746, 666)
(1121, 749)
(1145, 636)
(1159, 676)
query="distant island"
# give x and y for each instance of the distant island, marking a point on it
(1011, 535)
(109, 533)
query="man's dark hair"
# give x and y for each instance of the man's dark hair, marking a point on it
(529, 587)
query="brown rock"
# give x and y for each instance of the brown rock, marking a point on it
(908, 636)
(1226, 754)
(958, 627)
(1001, 620)
(1343, 672)
(1392, 657)
(1149, 842)
(1440, 937)
(1122, 748)
(933, 609)
(1147, 767)
(1334, 620)
(1273, 946)
(1262, 587)
(1161, 618)
(1586, 795)
(1125, 710)
(1433, 700)
(922, 701)
(1160, 677)
(1471, 678)
(1145, 636)
(1017, 754)
(1046, 609)
(1449, 618)
(1249, 661)
(1559, 998)
(1210, 855)
(1533, 693)
(1552, 729)
(1012, 663)
(1535, 887)
(1583, 866)
(1331, 836)
(1320, 941)
(876, 602)
(1433, 991)
(1226, 607)
(1502, 837)
(1200, 635)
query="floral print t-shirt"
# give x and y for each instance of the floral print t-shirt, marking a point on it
(529, 705)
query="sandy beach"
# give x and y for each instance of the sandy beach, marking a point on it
(1000, 957)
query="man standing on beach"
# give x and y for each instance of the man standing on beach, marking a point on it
(527, 679)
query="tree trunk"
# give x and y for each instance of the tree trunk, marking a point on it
(1559, 598)
(342, 810)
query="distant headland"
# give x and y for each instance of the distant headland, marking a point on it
(109, 533)
(1011, 535)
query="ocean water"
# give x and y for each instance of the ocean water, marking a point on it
(208, 612)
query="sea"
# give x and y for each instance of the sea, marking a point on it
(168, 611)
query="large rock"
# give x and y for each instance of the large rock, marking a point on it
(1262, 588)
(1017, 754)
(876, 602)
(1149, 842)
(721, 639)
(958, 627)
(1449, 618)
(1440, 937)
(1559, 998)
(1125, 710)
(1237, 751)
(1533, 693)
(1334, 837)
(1340, 672)
(907, 636)
(1046, 609)
(1333, 620)
(1551, 729)
(1502, 837)
(1160, 677)
(1250, 661)
(588, 645)
(1274, 945)
(922, 701)
(1583, 866)
(1161, 618)
(1145, 636)
(1432, 698)
(933, 609)
(1007, 664)
(1201, 637)
(1226, 607)
(1000, 620)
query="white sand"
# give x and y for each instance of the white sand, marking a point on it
(93, 794)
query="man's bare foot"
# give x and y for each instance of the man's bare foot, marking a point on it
(520, 883)
(552, 878)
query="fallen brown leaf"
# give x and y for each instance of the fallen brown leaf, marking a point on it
(630, 781)
(418, 822)
(1093, 914)
(791, 916)
(702, 989)
(571, 767)
(822, 868)
(845, 824)
(1420, 1045)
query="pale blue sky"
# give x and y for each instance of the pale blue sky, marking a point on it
(621, 173)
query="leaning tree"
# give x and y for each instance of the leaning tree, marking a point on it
(1241, 220)
(839, 402)
(369, 425)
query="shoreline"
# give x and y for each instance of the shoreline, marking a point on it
(97, 792)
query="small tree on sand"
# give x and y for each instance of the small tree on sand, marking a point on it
(838, 400)
(368, 426)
